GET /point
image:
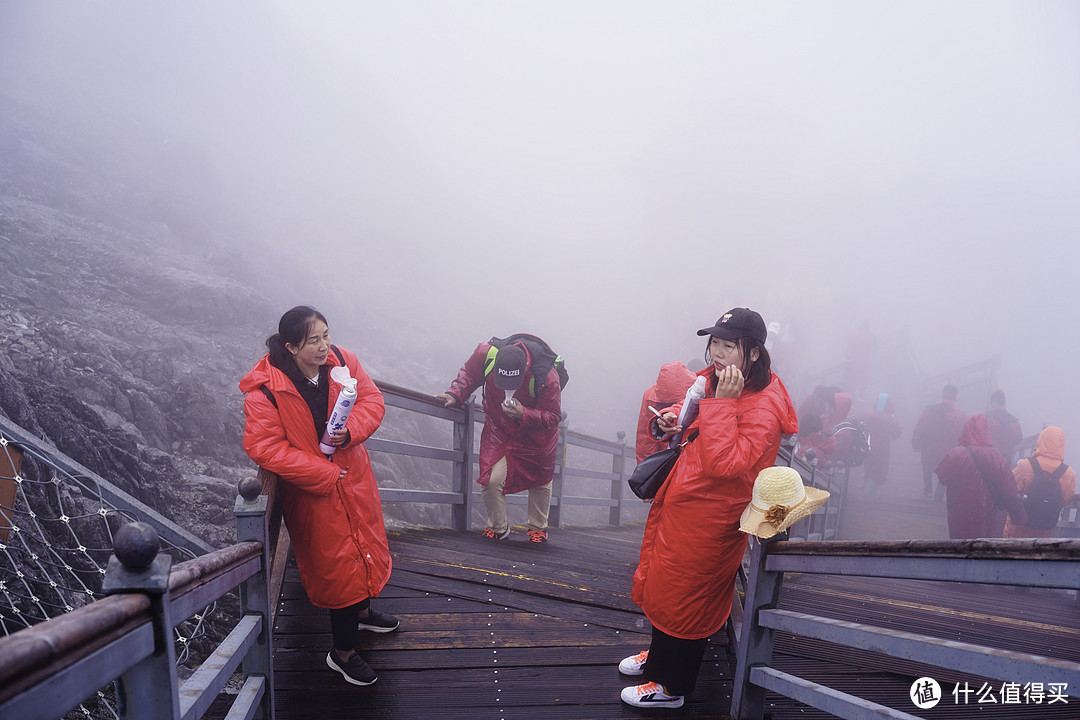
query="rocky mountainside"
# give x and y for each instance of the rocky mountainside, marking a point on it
(125, 320)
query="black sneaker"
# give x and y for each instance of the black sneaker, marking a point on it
(378, 622)
(354, 670)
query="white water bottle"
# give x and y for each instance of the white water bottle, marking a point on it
(690, 405)
(345, 401)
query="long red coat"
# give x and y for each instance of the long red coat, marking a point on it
(336, 526)
(969, 494)
(883, 429)
(672, 382)
(936, 432)
(529, 446)
(692, 544)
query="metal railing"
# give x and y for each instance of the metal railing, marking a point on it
(463, 493)
(126, 638)
(1047, 563)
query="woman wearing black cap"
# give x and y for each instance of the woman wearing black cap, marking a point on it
(692, 545)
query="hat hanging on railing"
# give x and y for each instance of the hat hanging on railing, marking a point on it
(779, 501)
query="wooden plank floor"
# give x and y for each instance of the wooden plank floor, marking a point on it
(489, 630)
(508, 630)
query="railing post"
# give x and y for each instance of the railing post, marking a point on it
(755, 643)
(252, 523)
(618, 467)
(149, 690)
(558, 489)
(460, 513)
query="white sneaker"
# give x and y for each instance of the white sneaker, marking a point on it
(650, 695)
(635, 664)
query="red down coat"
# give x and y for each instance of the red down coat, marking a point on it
(336, 526)
(692, 544)
(529, 446)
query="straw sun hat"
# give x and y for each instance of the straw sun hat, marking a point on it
(779, 501)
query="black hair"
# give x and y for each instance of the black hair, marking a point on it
(949, 393)
(758, 376)
(293, 328)
(997, 397)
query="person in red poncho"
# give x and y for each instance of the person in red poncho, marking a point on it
(330, 502)
(672, 382)
(978, 484)
(522, 411)
(692, 545)
(935, 433)
(884, 428)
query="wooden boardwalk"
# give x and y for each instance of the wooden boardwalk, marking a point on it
(489, 630)
(508, 630)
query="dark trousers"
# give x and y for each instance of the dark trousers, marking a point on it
(343, 622)
(674, 662)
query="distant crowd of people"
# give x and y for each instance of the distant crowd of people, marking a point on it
(309, 406)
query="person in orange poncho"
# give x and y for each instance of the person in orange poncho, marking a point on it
(692, 545)
(1049, 454)
(672, 382)
(330, 502)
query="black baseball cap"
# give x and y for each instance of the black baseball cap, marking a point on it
(737, 323)
(509, 369)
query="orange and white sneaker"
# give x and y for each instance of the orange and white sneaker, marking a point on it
(650, 695)
(492, 535)
(635, 664)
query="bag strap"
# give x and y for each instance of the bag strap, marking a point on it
(994, 490)
(1037, 469)
(337, 351)
(269, 395)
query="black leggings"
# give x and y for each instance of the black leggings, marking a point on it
(674, 662)
(343, 622)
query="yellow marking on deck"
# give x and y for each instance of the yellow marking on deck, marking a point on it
(515, 576)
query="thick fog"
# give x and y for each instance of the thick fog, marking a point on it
(614, 176)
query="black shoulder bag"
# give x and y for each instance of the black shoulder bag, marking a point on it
(649, 476)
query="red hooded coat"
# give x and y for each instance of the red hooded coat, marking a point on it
(937, 432)
(692, 544)
(529, 446)
(883, 430)
(671, 385)
(969, 494)
(336, 525)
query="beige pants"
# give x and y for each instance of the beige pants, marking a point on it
(495, 501)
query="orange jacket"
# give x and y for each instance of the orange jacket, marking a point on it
(1049, 453)
(336, 526)
(672, 382)
(692, 544)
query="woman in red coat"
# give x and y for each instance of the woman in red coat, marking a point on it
(330, 502)
(884, 428)
(692, 545)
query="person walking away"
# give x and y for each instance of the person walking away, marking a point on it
(1035, 477)
(692, 545)
(330, 502)
(671, 384)
(1004, 426)
(884, 428)
(522, 380)
(936, 432)
(978, 484)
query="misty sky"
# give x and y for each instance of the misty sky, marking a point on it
(615, 175)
